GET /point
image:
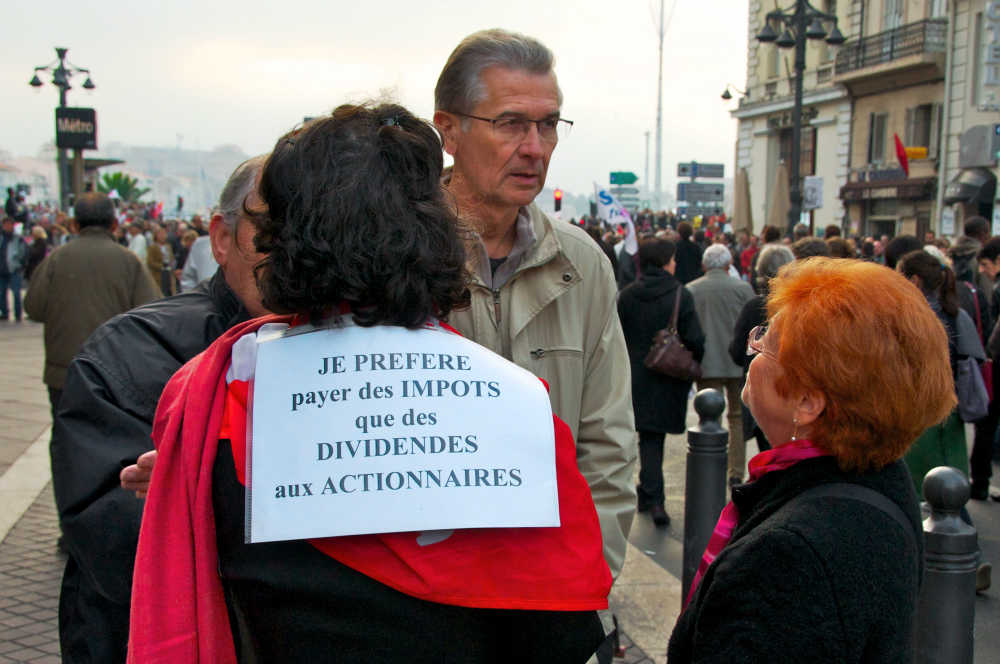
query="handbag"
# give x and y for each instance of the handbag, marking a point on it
(667, 355)
(986, 368)
(973, 402)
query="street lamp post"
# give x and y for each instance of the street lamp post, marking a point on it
(801, 22)
(62, 71)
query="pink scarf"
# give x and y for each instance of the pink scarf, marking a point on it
(779, 458)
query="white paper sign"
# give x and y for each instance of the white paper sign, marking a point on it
(378, 430)
(948, 221)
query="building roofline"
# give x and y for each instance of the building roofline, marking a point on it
(786, 103)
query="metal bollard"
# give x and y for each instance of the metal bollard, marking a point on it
(946, 614)
(705, 489)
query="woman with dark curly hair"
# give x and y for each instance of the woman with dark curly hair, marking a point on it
(359, 240)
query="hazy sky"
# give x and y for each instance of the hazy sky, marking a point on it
(223, 72)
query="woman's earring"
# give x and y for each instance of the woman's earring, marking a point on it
(796, 431)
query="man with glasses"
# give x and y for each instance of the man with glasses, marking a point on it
(543, 294)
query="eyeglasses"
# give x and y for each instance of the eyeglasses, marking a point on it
(755, 343)
(550, 130)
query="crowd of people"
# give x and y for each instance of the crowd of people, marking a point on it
(347, 222)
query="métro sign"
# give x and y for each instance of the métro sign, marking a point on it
(623, 177)
(697, 191)
(76, 128)
(696, 170)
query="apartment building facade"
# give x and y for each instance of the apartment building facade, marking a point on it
(764, 134)
(924, 71)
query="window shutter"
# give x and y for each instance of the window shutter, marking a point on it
(871, 138)
(909, 133)
(935, 139)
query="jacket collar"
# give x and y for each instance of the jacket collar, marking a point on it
(97, 231)
(546, 257)
(229, 306)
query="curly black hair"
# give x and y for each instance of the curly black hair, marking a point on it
(355, 213)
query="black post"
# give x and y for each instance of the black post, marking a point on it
(947, 611)
(705, 488)
(63, 159)
(795, 172)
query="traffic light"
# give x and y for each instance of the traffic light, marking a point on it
(558, 199)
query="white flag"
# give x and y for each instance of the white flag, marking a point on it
(611, 211)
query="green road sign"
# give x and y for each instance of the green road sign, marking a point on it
(623, 177)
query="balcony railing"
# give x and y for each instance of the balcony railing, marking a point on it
(927, 36)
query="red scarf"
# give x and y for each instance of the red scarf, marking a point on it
(178, 608)
(778, 458)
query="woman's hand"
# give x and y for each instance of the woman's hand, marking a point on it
(136, 478)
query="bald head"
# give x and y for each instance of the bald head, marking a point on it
(94, 209)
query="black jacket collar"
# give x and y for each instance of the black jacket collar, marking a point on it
(229, 306)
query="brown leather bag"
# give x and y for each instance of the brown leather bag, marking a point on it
(668, 355)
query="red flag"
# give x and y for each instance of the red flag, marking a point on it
(901, 155)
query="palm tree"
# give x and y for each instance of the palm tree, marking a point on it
(127, 187)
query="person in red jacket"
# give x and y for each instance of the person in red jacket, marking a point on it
(357, 233)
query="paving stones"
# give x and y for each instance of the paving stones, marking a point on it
(31, 570)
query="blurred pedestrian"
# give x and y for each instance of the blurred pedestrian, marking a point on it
(840, 248)
(688, 254)
(768, 235)
(831, 231)
(808, 247)
(800, 231)
(659, 402)
(944, 444)
(754, 314)
(137, 243)
(898, 247)
(199, 265)
(161, 263)
(786, 559)
(976, 232)
(719, 300)
(13, 256)
(37, 251)
(595, 232)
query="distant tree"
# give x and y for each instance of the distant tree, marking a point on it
(127, 187)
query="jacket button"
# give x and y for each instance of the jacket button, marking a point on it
(567, 277)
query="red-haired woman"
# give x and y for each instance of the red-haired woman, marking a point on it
(818, 557)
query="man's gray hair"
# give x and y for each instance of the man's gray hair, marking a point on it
(716, 257)
(460, 86)
(770, 260)
(237, 188)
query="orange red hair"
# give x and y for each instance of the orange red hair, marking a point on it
(865, 338)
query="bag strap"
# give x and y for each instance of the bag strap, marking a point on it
(677, 308)
(865, 495)
(975, 303)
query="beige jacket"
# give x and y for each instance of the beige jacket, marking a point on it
(556, 317)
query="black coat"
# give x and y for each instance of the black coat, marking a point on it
(827, 580)
(645, 307)
(105, 423)
(688, 261)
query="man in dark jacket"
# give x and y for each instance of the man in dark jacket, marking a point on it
(105, 423)
(688, 255)
(976, 231)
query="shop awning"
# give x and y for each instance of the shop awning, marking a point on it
(908, 188)
(972, 185)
